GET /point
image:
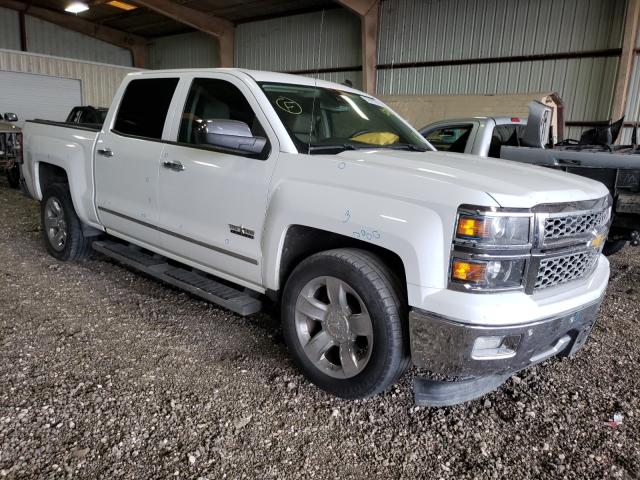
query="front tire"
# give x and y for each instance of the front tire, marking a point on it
(61, 227)
(344, 323)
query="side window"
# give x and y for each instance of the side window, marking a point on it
(213, 99)
(144, 106)
(450, 139)
(504, 135)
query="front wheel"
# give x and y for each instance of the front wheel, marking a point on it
(344, 323)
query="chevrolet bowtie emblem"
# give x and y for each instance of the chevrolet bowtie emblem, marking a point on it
(597, 241)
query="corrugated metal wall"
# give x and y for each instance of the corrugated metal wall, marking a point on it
(441, 30)
(632, 112)
(295, 43)
(9, 29)
(99, 81)
(49, 39)
(183, 51)
(418, 30)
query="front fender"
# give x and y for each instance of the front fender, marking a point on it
(418, 235)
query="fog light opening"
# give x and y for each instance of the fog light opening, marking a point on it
(495, 347)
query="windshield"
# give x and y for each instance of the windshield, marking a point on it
(322, 120)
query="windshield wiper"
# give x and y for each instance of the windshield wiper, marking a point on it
(337, 148)
(406, 146)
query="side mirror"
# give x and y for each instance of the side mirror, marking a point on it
(10, 117)
(229, 134)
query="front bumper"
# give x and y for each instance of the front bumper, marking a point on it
(447, 347)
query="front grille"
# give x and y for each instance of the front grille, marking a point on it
(572, 225)
(556, 270)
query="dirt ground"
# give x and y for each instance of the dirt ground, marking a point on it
(107, 374)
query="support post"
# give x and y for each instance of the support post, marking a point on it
(225, 41)
(625, 66)
(139, 56)
(23, 31)
(369, 12)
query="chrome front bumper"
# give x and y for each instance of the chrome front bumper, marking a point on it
(447, 347)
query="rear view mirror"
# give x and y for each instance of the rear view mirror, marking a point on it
(10, 117)
(229, 134)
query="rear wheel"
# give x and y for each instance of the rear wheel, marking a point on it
(13, 176)
(343, 322)
(61, 227)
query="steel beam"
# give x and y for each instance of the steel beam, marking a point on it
(80, 25)
(218, 27)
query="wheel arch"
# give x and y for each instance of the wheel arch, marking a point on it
(301, 241)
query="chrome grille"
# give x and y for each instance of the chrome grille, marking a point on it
(562, 269)
(572, 225)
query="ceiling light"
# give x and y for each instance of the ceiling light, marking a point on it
(122, 5)
(77, 7)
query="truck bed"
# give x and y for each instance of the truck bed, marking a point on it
(69, 147)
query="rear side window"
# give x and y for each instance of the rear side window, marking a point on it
(450, 139)
(144, 106)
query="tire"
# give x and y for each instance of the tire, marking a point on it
(331, 342)
(61, 227)
(613, 246)
(13, 176)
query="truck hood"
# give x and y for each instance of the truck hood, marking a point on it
(511, 184)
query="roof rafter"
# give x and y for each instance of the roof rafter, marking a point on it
(78, 24)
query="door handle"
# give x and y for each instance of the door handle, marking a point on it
(105, 152)
(175, 166)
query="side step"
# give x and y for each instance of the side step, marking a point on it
(191, 281)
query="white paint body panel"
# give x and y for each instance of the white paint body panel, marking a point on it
(405, 202)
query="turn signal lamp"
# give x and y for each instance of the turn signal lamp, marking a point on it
(471, 227)
(464, 271)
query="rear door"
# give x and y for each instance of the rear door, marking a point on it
(126, 160)
(213, 202)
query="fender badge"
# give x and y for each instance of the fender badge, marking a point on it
(240, 230)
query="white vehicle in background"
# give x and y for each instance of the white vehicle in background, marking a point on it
(594, 156)
(239, 185)
(483, 136)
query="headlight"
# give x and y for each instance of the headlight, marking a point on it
(490, 274)
(490, 249)
(480, 229)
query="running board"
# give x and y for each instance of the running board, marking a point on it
(189, 280)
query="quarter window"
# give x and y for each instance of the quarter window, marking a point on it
(144, 106)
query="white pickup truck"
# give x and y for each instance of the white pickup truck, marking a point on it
(241, 186)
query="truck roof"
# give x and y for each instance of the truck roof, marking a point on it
(257, 75)
(499, 120)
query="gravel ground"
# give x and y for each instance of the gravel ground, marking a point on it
(105, 373)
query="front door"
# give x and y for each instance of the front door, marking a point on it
(212, 202)
(126, 162)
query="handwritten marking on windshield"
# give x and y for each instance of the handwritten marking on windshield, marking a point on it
(288, 105)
